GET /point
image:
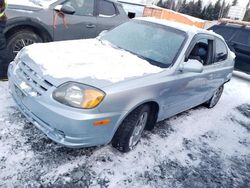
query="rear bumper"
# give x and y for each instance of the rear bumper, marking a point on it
(65, 125)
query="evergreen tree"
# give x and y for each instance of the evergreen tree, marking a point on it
(178, 5)
(216, 11)
(235, 2)
(197, 10)
(208, 13)
(203, 13)
(226, 10)
(183, 6)
(160, 3)
(247, 16)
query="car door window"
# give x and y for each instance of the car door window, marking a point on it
(243, 37)
(106, 8)
(82, 7)
(202, 51)
(221, 50)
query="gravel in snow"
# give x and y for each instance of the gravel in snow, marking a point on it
(198, 148)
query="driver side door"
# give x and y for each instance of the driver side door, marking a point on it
(81, 24)
(190, 89)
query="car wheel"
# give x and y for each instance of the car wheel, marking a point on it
(215, 98)
(20, 39)
(129, 133)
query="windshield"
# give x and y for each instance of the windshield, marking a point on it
(157, 44)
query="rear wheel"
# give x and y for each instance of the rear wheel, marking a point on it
(215, 98)
(20, 39)
(129, 133)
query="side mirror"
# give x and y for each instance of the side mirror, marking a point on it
(131, 15)
(192, 65)
(66, 9)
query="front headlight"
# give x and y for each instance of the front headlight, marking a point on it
(78, 95)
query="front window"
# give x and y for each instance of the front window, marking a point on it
(157, 44)
(82, 7)
(106, 9)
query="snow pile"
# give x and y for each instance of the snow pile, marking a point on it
(198, 148)
(88, 58)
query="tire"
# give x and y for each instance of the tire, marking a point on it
(20, 39)
(215, 98)
(125, 138)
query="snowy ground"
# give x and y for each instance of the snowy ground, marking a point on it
(199, 148)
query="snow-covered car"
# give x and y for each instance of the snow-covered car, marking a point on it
(109, 89)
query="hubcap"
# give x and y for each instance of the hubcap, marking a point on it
(216, 97)
(20, 43)
(137, 132)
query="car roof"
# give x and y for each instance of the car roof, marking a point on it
(183, 27)
(234, 26)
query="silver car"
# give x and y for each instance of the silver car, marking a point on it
(92, 92)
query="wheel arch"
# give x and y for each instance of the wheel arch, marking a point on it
(14, 25)
(152, 119)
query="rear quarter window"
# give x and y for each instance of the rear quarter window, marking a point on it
(221, 51)
(243, 37)
(225, 32)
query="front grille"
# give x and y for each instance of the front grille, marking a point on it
(37, 84)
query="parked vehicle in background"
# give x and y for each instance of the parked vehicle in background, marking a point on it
(109, 89)
(133, 9)
(237, 36)
(32, 21)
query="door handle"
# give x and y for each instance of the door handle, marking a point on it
(90, 25)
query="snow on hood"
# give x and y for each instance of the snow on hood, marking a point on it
(89, 58)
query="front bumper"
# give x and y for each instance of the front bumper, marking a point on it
(65, 125)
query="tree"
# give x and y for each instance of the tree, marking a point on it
(247, 15)
(183, 6)
(208, 12)
(217, 9)
(160, 3)
(197, 9)
(235, 2)
(178, 5)
(225, 11)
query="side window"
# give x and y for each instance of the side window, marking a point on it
(82, 7)
(106, 8)
(202, 51)
(243, 37)
(225, 32)
(221, 50)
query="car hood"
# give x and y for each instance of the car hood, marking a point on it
(88, 61)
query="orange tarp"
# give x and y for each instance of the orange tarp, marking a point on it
(161, 13)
